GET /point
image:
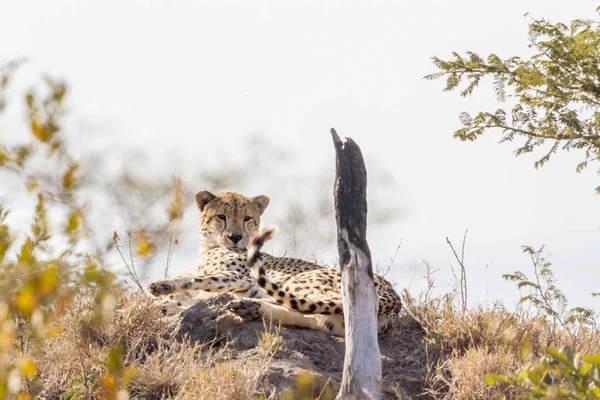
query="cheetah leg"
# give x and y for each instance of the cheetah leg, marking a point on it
(173, 304)
(221, 282)
(275, 313)
(177, 302)
(383, 323)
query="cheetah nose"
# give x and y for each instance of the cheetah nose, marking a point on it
(235, 237)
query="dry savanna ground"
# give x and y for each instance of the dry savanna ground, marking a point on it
(433, 351)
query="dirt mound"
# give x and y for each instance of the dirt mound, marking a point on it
(404, 358)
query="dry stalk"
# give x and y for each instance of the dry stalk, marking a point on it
(462, 280)
(130, 269)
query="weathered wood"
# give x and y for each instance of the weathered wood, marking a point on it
(362, 363)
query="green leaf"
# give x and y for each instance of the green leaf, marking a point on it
(525, 348)
(113, 360)
(585, 369)
(490, 380)
(557, 355)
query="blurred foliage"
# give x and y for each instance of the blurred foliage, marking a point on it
(556, 91)
(46, 267)
(307, 387)
(561, 374)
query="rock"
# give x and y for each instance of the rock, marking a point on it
(404, 359)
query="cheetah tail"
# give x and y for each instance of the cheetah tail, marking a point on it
(306, 306)
(256, 243)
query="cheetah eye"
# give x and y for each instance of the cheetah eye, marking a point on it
(246, 219)
(221, 216)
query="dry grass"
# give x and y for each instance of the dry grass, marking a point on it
(162, 367)
(467, 371)
(461, 349)
(271, 342)
(484, 341)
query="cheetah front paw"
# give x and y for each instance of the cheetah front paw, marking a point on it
(169, 307)
(161, 288)
(246, 309)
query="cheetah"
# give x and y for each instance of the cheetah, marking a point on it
(278, 289)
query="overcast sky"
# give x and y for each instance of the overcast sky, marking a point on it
(191, 79)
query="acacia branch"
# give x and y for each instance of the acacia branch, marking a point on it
(529, 133)
(487, 69)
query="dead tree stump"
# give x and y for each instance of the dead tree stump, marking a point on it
(362, 362)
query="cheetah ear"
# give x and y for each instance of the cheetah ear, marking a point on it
(203, 198)
(261, 202)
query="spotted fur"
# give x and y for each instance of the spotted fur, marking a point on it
(326, 301)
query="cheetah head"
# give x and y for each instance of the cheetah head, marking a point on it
(228, 219)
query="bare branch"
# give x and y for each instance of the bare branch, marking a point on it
(362, 362)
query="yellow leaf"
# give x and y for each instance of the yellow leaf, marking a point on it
(526, 348)
(38, 130)
(175, 210)
(5, 240)
(29, 99)
(108, 382)
(143, 245)
(32, 185)
(48, 280)
(55, 331)
(304, 384)
(22, 153)
(69, 178)
(73, 227)
(536, 373)
(26, 254)
(128, 374)
(113, 361)
(91, 273)
(585, 369)
(594, 359)
(27, 367)
(26, 300)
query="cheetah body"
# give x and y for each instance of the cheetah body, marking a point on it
(226, 225)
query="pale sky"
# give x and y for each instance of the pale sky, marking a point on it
(189, 80)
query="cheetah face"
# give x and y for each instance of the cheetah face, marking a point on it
(228, 219)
